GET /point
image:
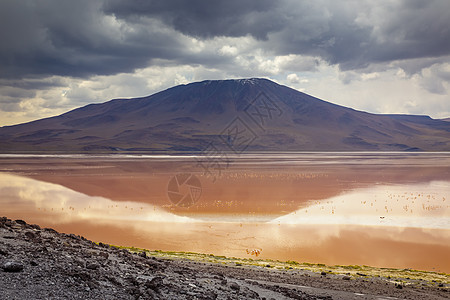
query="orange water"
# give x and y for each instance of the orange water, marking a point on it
(388, 210)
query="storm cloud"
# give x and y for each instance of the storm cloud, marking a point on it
(77, 39)
(86, 38)
(350, 33)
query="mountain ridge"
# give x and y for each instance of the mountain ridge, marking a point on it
(192, 116)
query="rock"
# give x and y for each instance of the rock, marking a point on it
(73, 236)
(30, 235)
(143, 254)
(346, 278)
(79, 262)
(323, 273)
(155, 283)
(51, 230)
(80, 275)
(207, 295)
(235, 286)
(12, 266)
(35, 226)
(135, 292)
(92, 266)
(3, 252)
(21, 222)
(398, 286)
(33, 263)
(361, 274)
(132, 280)
(152, 265)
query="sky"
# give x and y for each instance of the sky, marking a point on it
(380, 56)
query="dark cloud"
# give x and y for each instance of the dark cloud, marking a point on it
(33, 84)
(413, 29)
(353, 34)
(12, 94)
(205, 19)
(41, 38)
(325, 29)
(357, 34)
(84, 38)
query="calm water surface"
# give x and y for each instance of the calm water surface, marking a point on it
(379, 209)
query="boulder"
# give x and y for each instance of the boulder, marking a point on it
(12, 266)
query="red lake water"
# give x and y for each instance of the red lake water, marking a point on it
(377, 209)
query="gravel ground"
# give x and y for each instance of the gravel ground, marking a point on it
(44, 264)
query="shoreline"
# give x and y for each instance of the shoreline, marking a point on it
(58, 265)
(392, 275)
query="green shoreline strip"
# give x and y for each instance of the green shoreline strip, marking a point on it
(404, 276)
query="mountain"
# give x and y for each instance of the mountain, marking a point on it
(225, 115)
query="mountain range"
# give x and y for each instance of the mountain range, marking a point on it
(225, 115)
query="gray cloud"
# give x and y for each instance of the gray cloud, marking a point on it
(42, 38)
(357, 34)
(10, 98)
(413, 29)
(352, 34)
(33, 83)
(12, 106)
(205, 19)
(85, 38)
(434, 78)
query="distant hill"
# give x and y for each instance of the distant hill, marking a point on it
(226, 115)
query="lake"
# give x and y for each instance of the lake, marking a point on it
(377, 209)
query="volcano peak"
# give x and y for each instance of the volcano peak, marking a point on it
(190, 117)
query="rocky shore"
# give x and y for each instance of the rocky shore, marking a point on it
(40, 263)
